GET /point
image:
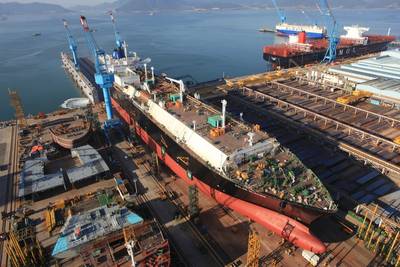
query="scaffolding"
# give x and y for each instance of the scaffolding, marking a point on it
(380, 235)
(253, 250)
(17, 105)
(22, 246)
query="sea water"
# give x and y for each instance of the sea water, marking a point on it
(204, 45)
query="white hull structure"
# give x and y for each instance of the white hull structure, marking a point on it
(312, 31)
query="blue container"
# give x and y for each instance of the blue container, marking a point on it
(375, 102)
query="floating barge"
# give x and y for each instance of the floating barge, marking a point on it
(302, 51)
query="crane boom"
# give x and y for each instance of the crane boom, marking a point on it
(119, 51)
(102, 77)
(332, 31)
(72, 44)
(280, 12)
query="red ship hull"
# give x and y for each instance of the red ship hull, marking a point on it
(290, 229)
(293, 55)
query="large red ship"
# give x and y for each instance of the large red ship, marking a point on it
(300, 51)
(237, 164)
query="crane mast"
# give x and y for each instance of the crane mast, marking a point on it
(280, 12)
(119, 50)
(72, 45)
(102, 77)
(332, 26)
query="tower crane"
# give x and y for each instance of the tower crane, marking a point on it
(280, 12)
(102, 77)
(72, 44)
(332, 26)
(120, 49)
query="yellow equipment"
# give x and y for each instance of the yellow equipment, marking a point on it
(355, 96)
(215, 132)
(253, 250)
(50, 219)
(257, 127)
(397, 140)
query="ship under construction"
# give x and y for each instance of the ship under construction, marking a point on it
(235, 163)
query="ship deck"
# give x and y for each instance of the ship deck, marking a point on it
(271, 170)
(235, 136)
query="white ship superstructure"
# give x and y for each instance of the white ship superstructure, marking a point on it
(312, 31)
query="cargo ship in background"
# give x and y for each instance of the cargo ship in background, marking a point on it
(312, 31)
(300, 51)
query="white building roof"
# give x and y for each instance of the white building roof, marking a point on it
(33, 180)
(91, 164)
(379, 75)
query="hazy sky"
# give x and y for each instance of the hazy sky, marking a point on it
(65, 3)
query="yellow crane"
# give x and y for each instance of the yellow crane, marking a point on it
(253, 250)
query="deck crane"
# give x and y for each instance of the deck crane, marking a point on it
(120, 49)
(102, 77)
(72, 44)
(332, 31)
(280, 11)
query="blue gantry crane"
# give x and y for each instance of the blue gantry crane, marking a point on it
(102, 77)
(332, 27)
(72, 45)
(280, 12)
(119, 50)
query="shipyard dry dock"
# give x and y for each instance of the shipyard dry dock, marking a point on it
(367, 132)
(47, 189)
(354, 183)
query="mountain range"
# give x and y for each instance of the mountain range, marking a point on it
(129, 5)
(14, 8)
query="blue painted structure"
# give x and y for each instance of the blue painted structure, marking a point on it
(119, 51)
(312, 35)
(102, 77)
(280, 12)
(332, 26)
(286, 32)
(90, 225)
(72, 45)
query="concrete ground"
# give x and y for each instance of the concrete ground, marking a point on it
(5, 167)
(177, 229)
(229, 230)
(226, 229)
